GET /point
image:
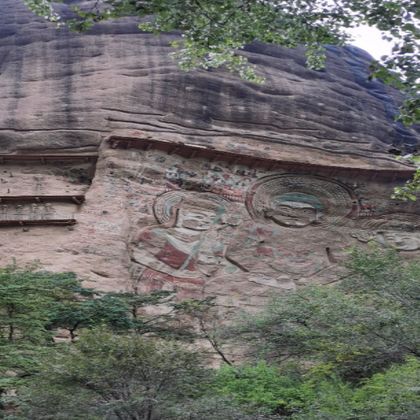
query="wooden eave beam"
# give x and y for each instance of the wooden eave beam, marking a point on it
(77, 199)
(91, 157)
(56, 222)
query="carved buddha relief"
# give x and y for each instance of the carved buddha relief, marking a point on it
(291, 230)
(297, 201)
(280, 205)
(295, 210)
(290, 238)
(400, 231)
(188, 243)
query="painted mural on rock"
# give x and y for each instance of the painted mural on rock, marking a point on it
(210, 227)
(199, 221)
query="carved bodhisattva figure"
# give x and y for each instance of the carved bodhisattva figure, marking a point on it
(187, 246)
(400, 231)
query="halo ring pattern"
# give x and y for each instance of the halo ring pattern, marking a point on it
(328, 200)
(167, 204)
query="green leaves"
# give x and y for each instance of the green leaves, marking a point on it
(108, 376)
(259, 386)
(360, 326)
(348, 351)
(35, 305)
(28, 299)
(332, 351)
(410, 190)
(28, 302)
(391, 394)
(44, 9)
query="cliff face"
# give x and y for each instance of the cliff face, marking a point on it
(120, 167)
(64, 90)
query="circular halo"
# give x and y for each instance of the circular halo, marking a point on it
(329, 198)
(409, 222)
(166, 204)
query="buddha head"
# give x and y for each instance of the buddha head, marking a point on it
(297, 201)
(402, 241)
(295, 210)
(199, 211)
(199, 214)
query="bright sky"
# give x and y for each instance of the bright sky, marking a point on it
(370, 40)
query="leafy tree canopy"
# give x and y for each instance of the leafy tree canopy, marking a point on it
(260, 386)
(29, 300)
(358, 327)
(215, 31)
(409, 191)
(107, 376)
(347, 351)
(117, 376)
(319, 394)
(36, 304)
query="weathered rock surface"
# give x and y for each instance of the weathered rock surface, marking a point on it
(64, 90)
(179, 198)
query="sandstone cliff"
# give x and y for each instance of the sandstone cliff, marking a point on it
(120, 167)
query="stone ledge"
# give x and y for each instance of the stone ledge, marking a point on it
(143, 141)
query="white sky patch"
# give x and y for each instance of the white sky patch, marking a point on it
(370, 40)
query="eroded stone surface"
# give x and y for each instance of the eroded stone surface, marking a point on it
(154, 220)
(220, 224)
(60, 90)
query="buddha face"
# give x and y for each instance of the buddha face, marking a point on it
(295, 210)
(403, 241)
(197, 218)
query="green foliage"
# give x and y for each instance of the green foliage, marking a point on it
(115, 376)
(320, 394)
(127, 376)
(384, 275)
(119, 311)
(324, 396)
(359, 327)
(202, 313)
(43, 8)
(392, 394)
(28, 300)
(410, 190)
(259, 386)
(344, 352)
(209, 407)
(35, 304)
